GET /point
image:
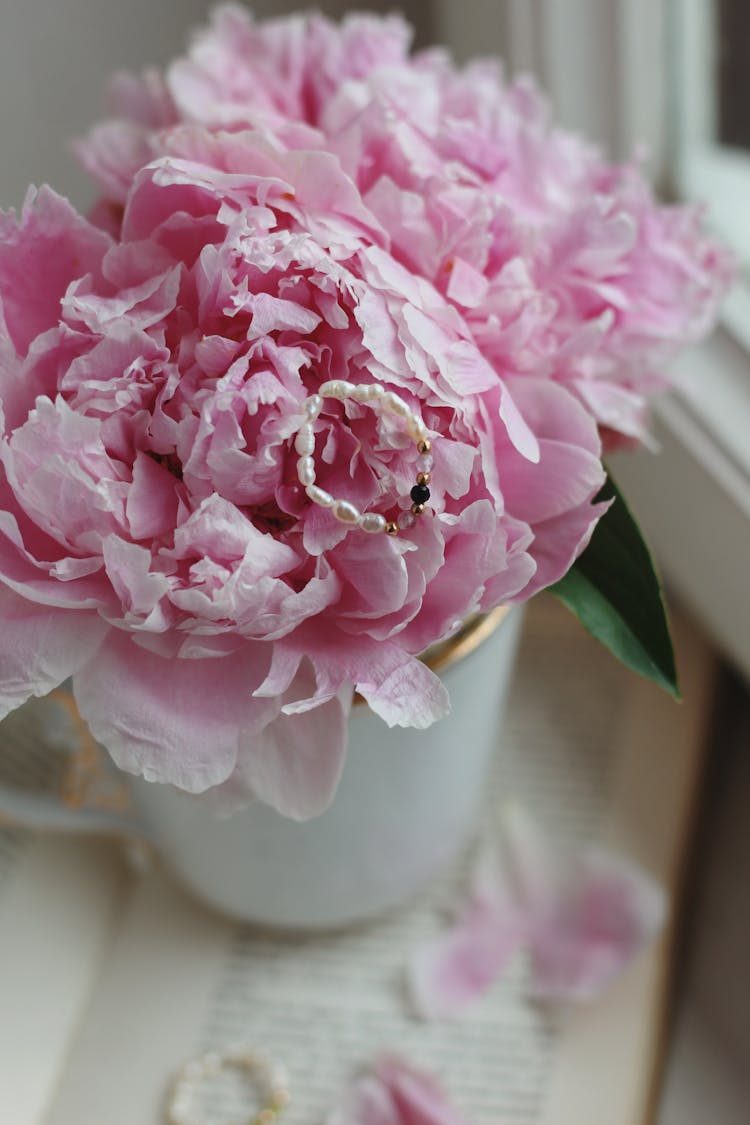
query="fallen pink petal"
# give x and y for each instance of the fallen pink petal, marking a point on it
(607, 912)
(582, 915)
(452, 972)
(589, 911)
(395, 1093)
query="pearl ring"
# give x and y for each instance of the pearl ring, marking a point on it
(372, 394)
(267, 1076)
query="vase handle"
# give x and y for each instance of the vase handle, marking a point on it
(55, 777)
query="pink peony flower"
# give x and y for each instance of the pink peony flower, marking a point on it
(293, 202)
(583, 915)
(564, 267)
(155, 543)
(395, 1093)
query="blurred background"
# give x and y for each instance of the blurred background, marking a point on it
(670, 75)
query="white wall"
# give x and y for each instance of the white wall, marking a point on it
(56, 55)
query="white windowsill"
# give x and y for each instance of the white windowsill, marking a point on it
(693, 497)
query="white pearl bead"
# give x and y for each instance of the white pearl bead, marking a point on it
(417, 429)
(396, 405)
(319, 496)
(372, 522)
(345, 512)
(313, 406)
(336, 388)
(306, 470)
(304, 443)
(361, 392)
(376, 390)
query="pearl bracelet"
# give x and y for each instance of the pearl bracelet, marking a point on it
(371, 394)
(267, 1075)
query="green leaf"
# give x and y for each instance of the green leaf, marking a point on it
(614, 590)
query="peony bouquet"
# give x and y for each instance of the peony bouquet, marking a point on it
(329, 368)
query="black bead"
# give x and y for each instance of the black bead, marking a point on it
(420, 494)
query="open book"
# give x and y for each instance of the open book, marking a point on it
(111, 979)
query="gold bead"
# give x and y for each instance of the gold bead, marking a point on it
(424, 446)
(417, 509)
(423, 478)
(391, 528)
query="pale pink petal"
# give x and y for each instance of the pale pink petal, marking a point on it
(467, 286)
(295, 764)
(622, 410)
(41, 647)
(178, 721)
(141, 305)
(138, 588)
(583, 914)
(144, 97)
(406, 695)
(589, 911)
(518, 428)
(607, 912)
(40, 253)
(69, 583)
(456, 969)
(151, 506)
(559, 542)
(399, 688)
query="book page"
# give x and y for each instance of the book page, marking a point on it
(586, 746)
(57, 902)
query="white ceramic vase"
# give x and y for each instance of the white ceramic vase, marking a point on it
(407, 802)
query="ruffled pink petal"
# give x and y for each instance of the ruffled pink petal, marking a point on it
(63, 476)
(69, 582)
(178, 721)
(41, 647)
(395, 1093)
(140, 305)
(406, 694)
(40, 253)
(139, 590)
(398, 687)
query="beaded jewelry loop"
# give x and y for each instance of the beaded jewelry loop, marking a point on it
(267, 1075)
(371, 394)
